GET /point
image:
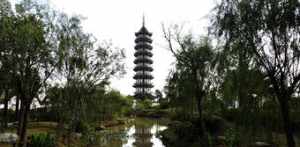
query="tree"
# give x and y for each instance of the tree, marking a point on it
(181, 94)
(37, 42)
(82, 62)
(5, 80)
(6, 89)
(5, 8)
(194, 60)
(31, 55)
(158, 95)
(84, 68)
(269, 30)
(28, 49)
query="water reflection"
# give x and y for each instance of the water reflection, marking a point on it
(143, 133)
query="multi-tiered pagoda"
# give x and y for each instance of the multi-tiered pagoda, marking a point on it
(143, 63)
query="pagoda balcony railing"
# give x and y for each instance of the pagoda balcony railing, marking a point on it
(143, 64)
(144, 59)
(143, 68)
(144, 72)
(143, 81)
(143, 85)
(143, 38)
(143, 45)
(142, 89)
(141, 76)
(143, 52)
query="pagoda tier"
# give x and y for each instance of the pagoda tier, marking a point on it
(141, 53)
(143, 76)
(143, 60)
(143, 68)
(143, 63)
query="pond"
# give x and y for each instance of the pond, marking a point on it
(141, 133)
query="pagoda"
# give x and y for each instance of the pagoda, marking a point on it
(143, 63)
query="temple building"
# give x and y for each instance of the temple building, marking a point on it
(143, 63)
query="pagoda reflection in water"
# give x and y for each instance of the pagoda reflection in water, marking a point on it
(142, 136)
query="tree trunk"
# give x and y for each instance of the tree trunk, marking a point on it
(199, 106)
(202, 133)
(20, 117)
(17, 108)
(285, 112)
(5, 117)
(199, 96)
(23, 124)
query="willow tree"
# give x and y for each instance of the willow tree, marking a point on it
(268, 29)
(84, 65)
(194, 59)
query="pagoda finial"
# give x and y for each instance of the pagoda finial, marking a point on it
(143, 20)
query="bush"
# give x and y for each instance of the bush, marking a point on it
(42, 140)
(81, 127)
(231, 137)
(214, 124)
(143, 104)
(230, 114)
(180, 134)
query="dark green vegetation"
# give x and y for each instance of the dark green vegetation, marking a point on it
(236, 87)
(42, 139)
(249, 81)
(45, 52)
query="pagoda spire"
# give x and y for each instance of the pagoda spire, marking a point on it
(143, 24)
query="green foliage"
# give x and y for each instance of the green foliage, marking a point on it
(81, 127)
(231, 138)
(267, 31)
(86, 67)
(42, 140)
(114, 104)
(191, 81)
(143, 104)
(185, 131)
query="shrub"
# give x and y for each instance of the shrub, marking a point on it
(179, 134)
(81, 127)
(42, 140)
(231, 138)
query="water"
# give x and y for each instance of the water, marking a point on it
(142, 133)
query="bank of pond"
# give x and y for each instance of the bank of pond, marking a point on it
(148, 132)
(115, 133)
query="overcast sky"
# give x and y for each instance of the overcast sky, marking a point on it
(118, 20)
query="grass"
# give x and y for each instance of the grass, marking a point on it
(33, 128)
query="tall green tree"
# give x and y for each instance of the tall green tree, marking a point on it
(84, 61)
(194, 59)
(6, 78)
(30, 57)
(29, 51)
(83, 66)
(270, 30)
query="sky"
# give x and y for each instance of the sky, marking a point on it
(118, 20)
